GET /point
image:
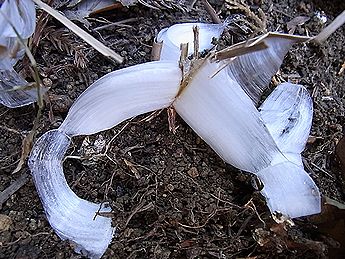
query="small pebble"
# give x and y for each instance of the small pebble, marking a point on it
(193, 172)
(5, 222)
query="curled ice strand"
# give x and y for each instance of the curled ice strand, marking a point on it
(110, 100)
(72, 218)
(172, 37)
(17, 19)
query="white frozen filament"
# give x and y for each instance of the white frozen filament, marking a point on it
(72, 218)
(219, 104)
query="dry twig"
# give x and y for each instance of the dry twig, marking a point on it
(15, 186)
(100, 47)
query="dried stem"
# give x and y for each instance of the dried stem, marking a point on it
(210, 10)
(156, 50)
(81, 33)
(196, 41)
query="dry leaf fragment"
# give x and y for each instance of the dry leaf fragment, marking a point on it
(331, 222)
(299, 20)
(132, 168)
(342, 69)
(5, 222)
(85, 8)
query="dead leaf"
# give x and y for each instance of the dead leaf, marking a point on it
(193, 172)
(26, 149)
(280, 237)
(311, 139)
(299, 20)
(171, 119)
(331, 222)
(342, 69)
(3, 50)
(187, 243)
(340, 154)
(132, 168)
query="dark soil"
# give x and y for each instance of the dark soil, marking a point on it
(171, 195)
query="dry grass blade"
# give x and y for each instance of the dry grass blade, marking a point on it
(100, 47)
(241, 50)
(26, 149)
(253, 45)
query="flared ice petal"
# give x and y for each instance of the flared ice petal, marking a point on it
(123, 94)
(14, 98)
(177, 34)
(254, 70)
(290, 190)
(288, 113)
(71, 217)
(222, 114)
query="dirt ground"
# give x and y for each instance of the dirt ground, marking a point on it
(171, 195)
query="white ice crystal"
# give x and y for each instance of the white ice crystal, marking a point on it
(218, 102)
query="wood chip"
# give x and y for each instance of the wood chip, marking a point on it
(15, 186)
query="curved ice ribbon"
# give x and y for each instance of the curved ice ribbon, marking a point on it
(112, 99)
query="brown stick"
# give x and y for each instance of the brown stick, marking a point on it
(196, 41)
(156, 50)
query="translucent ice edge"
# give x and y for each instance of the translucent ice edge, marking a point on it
(22, 16)
(72, 218)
